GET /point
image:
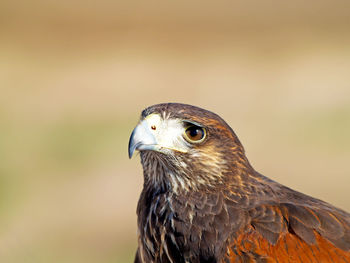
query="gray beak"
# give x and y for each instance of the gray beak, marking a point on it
(141, 138)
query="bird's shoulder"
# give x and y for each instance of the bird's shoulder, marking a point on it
(281, 223)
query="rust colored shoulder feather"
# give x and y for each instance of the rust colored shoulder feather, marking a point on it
(253, 247)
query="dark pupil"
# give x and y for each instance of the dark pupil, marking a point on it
(194, 132)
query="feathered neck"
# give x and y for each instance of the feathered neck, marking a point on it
(179, 174)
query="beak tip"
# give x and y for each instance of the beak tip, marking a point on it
(130, 153)
(131, 146)
(131, 150)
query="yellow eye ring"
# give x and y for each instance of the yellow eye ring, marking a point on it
(195, 134)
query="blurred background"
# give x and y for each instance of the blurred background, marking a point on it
(75, 75)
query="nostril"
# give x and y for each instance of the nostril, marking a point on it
(153, 127)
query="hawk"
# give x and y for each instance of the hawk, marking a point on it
(202, 201)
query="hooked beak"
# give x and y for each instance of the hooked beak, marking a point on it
(141, 138)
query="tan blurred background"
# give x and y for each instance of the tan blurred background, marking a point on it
(74, 77)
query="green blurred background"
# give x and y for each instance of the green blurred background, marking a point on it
(75, 75)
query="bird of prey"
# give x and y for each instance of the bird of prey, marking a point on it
(202, 201)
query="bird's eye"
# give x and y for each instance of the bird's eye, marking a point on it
(195, 134)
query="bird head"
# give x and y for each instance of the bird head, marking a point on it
(184, 143)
